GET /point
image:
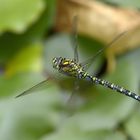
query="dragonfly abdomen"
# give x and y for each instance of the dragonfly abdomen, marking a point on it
(112, 86)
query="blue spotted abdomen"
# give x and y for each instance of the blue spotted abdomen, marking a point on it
(107, 84)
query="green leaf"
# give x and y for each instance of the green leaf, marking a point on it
(30, 116)
(37, 115)
(17, 15)
(132, 125)
(28, 59)
(75, 133)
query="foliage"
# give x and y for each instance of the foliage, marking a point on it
(45, 114)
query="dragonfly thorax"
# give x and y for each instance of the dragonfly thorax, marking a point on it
(67, 66)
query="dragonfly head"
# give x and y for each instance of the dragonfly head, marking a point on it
(66, 66)
(57, 62)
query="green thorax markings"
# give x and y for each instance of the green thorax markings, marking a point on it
(67, 66)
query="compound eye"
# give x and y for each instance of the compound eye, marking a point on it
(56, 62)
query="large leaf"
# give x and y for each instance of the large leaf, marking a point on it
(132, 125)
(29, 117)
(74, 133)
(16, 15)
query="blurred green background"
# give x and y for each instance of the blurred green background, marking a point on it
(28, 43)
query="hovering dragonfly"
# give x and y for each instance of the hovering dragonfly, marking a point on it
(73, 68)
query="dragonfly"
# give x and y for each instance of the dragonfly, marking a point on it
(73, 68)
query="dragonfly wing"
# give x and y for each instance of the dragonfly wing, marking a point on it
(86, 64)
(75, 89)
(74, 38)
(28, 91)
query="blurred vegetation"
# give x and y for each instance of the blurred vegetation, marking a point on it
(27, 46)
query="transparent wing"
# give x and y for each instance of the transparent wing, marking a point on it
(74, 38)
(72, 100)
(28, 91)
(75, 89)
(86, 64)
